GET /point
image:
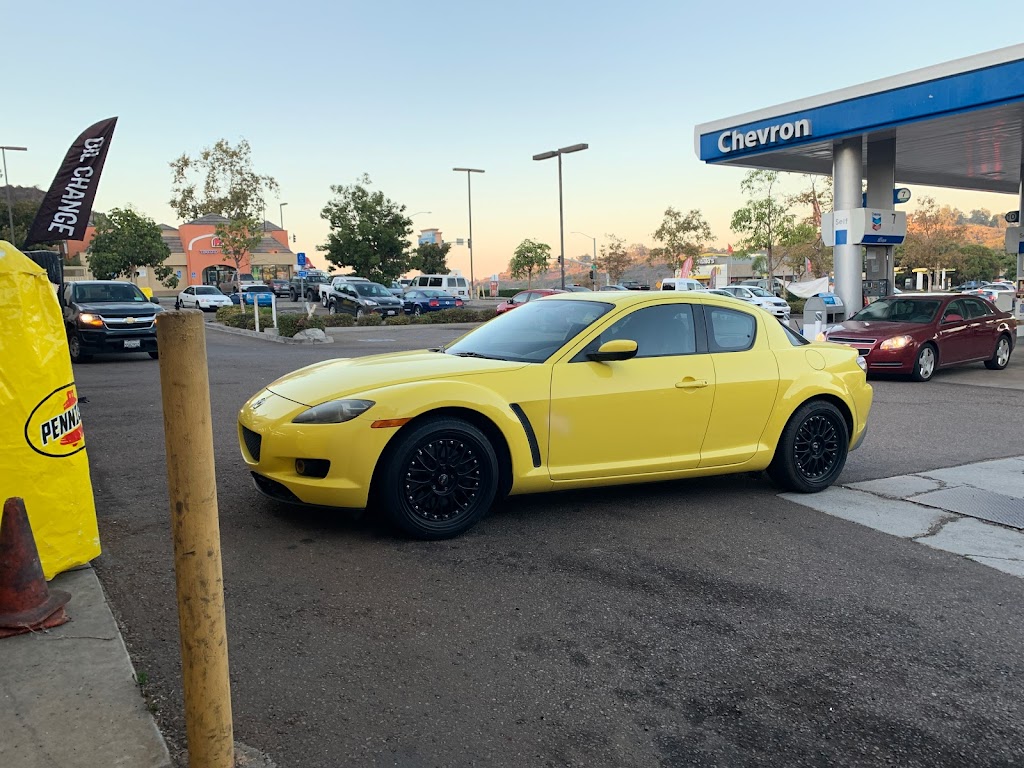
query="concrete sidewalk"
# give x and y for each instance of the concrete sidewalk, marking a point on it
(68, 695)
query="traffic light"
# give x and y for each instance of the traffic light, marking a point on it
(593, 275)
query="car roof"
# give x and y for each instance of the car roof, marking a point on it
(624, 298)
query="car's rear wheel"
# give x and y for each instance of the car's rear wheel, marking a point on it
(417, 310)
(1001, 357)
(812, 449)
(925, 364)
(440, 479)
(75, 349)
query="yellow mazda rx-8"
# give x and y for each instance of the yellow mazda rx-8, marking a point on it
(569, 391)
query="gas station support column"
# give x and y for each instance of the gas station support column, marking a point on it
(881, 176)
(847, 169)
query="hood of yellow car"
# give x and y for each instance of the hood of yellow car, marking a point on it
(332, 379)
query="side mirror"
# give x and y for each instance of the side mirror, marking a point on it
(617, 349)
(509, 301)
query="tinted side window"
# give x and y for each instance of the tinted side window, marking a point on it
(976, 308)
(729, 330)
(435, 282)
(461, 282)
(657, 331)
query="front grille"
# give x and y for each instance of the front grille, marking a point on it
(853, 342)
(253, 441)
(122, 324)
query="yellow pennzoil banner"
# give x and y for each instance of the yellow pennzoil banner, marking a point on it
(42, 441)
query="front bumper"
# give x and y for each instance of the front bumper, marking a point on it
(270, 445)
(114, 342)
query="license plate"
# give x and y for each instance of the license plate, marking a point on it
(392, 311)
(132, 343)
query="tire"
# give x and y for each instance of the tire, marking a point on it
(416, 310)
(293, 296)
(1001, 355)
(439, 480)
(360, 313)
(812, 449)
(75, 348)
(332, 308)
(925, 364)
(323, 299)
(154, 353)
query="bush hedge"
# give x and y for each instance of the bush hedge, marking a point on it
(369, 320)
(235, 318)
(340, 320)
(290, 323)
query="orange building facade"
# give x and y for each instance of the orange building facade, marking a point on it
(196, 257)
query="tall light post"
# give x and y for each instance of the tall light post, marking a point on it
(7, 182)
(561, 216)
(469, 190)
(281, 209)
(594, 268)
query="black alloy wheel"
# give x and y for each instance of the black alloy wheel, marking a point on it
(812, 449)
(440, 479)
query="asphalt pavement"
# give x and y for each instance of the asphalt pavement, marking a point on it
(706, 622)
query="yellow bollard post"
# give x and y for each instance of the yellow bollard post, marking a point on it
(195, 528)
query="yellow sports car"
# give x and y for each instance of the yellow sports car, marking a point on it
(698, 385)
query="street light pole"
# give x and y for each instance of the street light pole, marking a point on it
(7, 182)
(561, 217)
(469, 191)
(281, 209)
(594, 268)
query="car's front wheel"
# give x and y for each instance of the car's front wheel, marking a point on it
(925, 363)
(1001, 357)
(332, 308)
(75, 348)
(812, 449)
(440, 479)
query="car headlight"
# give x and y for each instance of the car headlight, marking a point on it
(333, 412)
(862, 363)
(897, 342)
(369, 303)
(86, 319)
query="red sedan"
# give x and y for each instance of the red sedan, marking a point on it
(524, 296)
(918, 334)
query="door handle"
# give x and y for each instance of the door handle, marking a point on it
(691, 384)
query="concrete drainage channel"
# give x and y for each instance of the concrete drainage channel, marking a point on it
(974, 510)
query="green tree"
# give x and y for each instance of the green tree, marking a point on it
(369, 232)
(431, 258)
(977, 262)
(803, 242)
(614, 258)
(124, 242)
(221, 180)
(529, 257)
(934, 240)
(682, 237)
(765, 221)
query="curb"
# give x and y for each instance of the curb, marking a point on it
(263, 336)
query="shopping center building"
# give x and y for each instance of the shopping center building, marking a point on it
(196, 257)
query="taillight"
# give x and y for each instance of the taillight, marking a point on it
(458, 302)
(435, 303)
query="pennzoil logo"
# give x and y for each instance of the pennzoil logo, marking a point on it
(54, 428)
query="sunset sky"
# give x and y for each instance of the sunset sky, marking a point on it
(405, 91)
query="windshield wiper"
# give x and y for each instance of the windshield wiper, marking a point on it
(473, 354)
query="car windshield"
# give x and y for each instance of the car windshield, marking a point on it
(532, 333)
(762, 292)
(371, 289)
(97, 293)
(207, 290)
(900, 310)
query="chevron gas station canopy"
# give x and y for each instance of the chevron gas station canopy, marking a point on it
(958, 124)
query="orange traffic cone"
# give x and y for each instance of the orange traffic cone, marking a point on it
(26, 603)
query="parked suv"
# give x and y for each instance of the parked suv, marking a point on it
(108, 316)
(363, 297)
(307, 287)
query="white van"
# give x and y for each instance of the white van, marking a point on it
(681, 284)
(456, 285)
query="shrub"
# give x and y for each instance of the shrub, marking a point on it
(398, 320)
(369, 319)
(290, 323)
(340, 320)
(235, 318)
(223, 313)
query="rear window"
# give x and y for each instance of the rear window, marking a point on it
(730, 331)
(207, 290)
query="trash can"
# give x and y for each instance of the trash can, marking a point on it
(821, 312)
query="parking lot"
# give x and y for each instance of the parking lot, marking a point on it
(708, 622)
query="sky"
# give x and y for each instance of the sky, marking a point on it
(406, 91)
